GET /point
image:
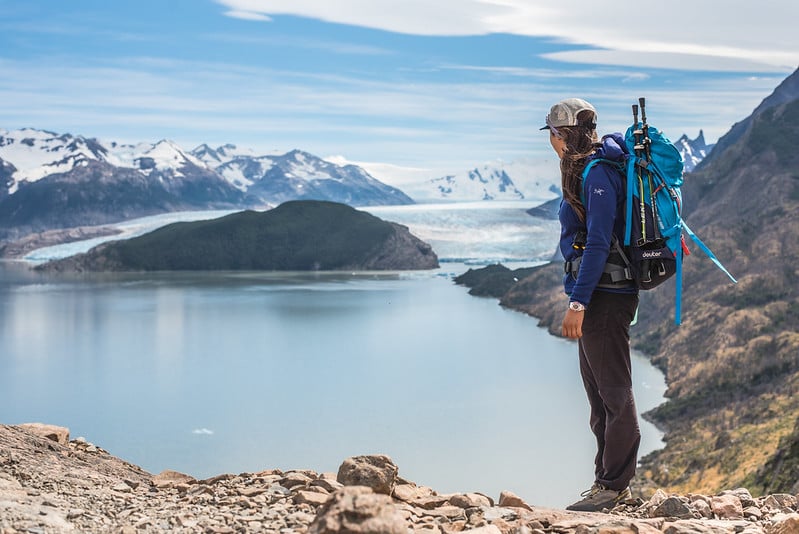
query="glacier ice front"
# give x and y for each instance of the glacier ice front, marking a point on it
(470, 232)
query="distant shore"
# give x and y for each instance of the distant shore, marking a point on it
(20, 248)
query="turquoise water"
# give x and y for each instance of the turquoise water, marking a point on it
(210, 373)
(218, 373)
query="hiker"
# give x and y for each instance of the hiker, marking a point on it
(599, 311)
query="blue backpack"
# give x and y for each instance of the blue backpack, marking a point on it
(654, 243)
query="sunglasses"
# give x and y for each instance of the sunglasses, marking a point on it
(552, 128)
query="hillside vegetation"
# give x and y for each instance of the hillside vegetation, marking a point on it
(295, 236)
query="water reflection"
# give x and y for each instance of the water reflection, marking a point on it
(226, 372)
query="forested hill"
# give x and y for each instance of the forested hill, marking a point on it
(732, 367)
(295, 236)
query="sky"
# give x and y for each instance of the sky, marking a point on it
(407, 88)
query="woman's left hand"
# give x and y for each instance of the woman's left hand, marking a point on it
(573, 324)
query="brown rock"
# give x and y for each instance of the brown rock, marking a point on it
(781, 501)
(487, 529)
(470, 500)
(410, 492)
(122, 487)
(169, 478)
(293, 479)
(314, 498)
(447, 511)
(252, 492)
(376, 471)
(59, 434)
(358, 510)
(673, 507)
(507, 498)
(785, 524)
(743, 495)
(328, 484)
(727, 507)
(431, 501)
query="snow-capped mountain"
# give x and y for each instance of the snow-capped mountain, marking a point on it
(48, 180)
(217, 156)
(33, 154)
(693, 150)
(37, 154)
(498, 180)
(487, 183)
(299, 175)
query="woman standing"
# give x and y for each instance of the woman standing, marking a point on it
(599, 311)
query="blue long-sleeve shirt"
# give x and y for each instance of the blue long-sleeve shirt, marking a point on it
(604, 197)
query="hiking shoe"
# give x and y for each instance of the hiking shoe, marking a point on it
(599, 498)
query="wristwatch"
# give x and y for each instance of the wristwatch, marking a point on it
(577, 306)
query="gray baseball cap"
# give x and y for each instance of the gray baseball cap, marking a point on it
(565, 112)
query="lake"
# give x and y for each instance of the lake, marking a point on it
(210, 373)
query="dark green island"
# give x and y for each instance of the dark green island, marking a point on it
(301, 235)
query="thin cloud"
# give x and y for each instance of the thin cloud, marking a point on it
(710, 35)
(549, 74)
(305, 43)
(721, 62)
(413, 17)
(367, 119)
(247, 15)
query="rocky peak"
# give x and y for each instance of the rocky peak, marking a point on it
(165, 155)
(215, 156)
(693, 150)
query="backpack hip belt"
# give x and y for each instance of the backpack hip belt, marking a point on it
(617, 273)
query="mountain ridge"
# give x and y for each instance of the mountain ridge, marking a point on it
(786, 91)
(52, 181)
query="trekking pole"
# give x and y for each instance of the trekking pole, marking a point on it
(641, 164)
(637, 133)
(647, 143)
(645, 140)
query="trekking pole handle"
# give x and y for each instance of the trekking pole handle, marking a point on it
(646, 141)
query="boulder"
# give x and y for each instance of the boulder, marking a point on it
(727, 507)
(59, 434)
(510, 499)
(377, 472)
(169, 478)
(358, 510)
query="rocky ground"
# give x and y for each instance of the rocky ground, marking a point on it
(51, 484)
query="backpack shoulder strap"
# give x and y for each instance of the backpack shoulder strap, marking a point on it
(627, 172)
(619, 166)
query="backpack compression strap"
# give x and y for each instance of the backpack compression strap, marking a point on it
(706, 250)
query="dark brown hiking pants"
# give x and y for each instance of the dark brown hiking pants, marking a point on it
(605, 369)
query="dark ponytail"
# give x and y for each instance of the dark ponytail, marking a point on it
(580, 142)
